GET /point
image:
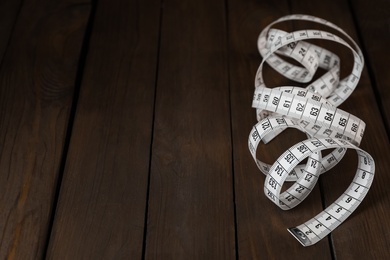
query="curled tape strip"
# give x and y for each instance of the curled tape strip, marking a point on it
(312, 110)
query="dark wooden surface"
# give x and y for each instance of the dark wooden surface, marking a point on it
(124, 124)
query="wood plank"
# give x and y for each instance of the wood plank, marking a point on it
(261, 226)
(36, 90)
(363, 235)
(373, 22)
(101, 208)
(191, 211)
(9, 11)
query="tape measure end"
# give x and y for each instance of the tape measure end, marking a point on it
(300, 236)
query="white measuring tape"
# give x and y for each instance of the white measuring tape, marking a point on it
(312, 110)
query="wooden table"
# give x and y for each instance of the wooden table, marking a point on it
(124, 125)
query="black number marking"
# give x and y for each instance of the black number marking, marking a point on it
(329, 116)
(343, 121)
(300, 107)
(275, 101)
(289, 158)
(314, 111)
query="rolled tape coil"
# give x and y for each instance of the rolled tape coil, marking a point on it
(312, 110)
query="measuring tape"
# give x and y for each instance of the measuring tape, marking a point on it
(312, 110)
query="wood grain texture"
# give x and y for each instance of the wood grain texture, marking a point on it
(9, 11)
(262, 227)
(191, 210)
(102, 203)
(36, 89)
(373, 23)
(364, 234)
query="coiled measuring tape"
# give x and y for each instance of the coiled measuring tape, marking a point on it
(312, 110)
